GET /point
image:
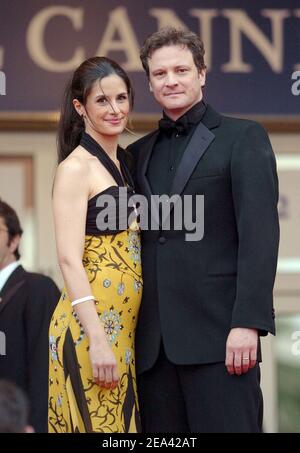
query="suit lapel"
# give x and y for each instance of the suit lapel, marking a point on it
(197, 146)
(195, 150)
(12, 285)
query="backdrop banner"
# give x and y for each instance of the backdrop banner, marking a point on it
(252, 49)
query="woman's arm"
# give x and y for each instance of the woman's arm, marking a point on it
(70, 198)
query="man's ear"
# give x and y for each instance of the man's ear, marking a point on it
(202, 76)
(78, 107)
(14, 243)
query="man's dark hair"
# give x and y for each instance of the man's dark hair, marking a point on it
(169, 36)
(12, 223)
(14, 408)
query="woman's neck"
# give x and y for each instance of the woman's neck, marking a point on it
(108, 142)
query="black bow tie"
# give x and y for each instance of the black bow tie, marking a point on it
(181, 126)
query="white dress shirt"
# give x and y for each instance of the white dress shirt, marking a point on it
(6, 272)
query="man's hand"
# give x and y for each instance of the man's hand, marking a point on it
(241, 350)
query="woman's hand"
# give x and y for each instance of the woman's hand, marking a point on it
(104, 364)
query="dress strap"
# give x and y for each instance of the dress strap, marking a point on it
(121, 155)
(93, 147)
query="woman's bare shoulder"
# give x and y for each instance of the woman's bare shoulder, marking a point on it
(72, 174)
(75, 165)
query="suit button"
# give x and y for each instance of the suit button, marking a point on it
(162, 240)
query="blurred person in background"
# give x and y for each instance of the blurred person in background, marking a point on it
(14, 409)
(27, 301)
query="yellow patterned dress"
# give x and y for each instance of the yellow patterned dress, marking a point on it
(76, 403)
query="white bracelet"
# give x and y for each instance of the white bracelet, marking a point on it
(82, 299)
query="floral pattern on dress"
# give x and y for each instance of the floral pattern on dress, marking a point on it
(112, 324)
(106, 283)
(128, 355)
(53, 349)
(112, 265)
(134, 247)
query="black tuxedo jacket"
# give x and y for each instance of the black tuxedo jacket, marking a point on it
(27, 303)
(195, 292)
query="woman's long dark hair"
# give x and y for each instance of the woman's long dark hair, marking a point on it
(71, 124)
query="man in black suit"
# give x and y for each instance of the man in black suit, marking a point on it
(27, 301)
(205, 302)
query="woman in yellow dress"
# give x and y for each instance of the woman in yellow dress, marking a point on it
(92, 384)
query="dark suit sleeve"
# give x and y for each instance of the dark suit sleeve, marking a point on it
(43, 296)
(255, 197)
